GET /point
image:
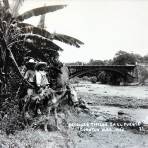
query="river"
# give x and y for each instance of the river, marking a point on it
(137, 93)
(140, 92)
(108, 101)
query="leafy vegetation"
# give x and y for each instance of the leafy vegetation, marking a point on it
(120, 58)
(123, 58)
(19, 42)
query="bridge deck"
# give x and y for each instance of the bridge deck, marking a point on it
(97, 66)
(125, 67)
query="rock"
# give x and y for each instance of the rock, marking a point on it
(121, 112)
(101, 118)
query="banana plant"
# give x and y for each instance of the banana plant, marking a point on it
(19, 40)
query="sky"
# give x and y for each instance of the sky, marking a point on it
(105, 26)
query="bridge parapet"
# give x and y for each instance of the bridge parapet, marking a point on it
(98, 66)
(76, 70)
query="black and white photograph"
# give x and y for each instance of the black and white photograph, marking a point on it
(73, 73)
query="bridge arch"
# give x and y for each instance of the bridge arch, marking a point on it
(82, 72)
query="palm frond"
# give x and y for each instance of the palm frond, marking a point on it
(39, 11)
(67, 39)
(27, 28)
(22, 24)
(16, 7)
(41, 54)
(42, 50)
(40, 41)
(6, 4)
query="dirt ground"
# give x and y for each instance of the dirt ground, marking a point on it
(107, 102)
(97, 128)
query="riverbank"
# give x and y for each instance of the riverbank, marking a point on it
(91, 129)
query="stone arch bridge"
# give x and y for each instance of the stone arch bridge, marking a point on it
(123, 70)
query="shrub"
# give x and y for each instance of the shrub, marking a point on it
(75, 80)
(143, 74)
(86, 78)
(93, 79)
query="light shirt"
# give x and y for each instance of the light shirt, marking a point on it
(41, 78)
(30, 76)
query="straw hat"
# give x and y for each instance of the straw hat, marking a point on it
(40, 65)
(30, 64)
(31, 61)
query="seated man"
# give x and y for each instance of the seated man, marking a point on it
(30, 76)
(41, 75)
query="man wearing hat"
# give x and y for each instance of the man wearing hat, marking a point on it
(30, 76)
(41, 74)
